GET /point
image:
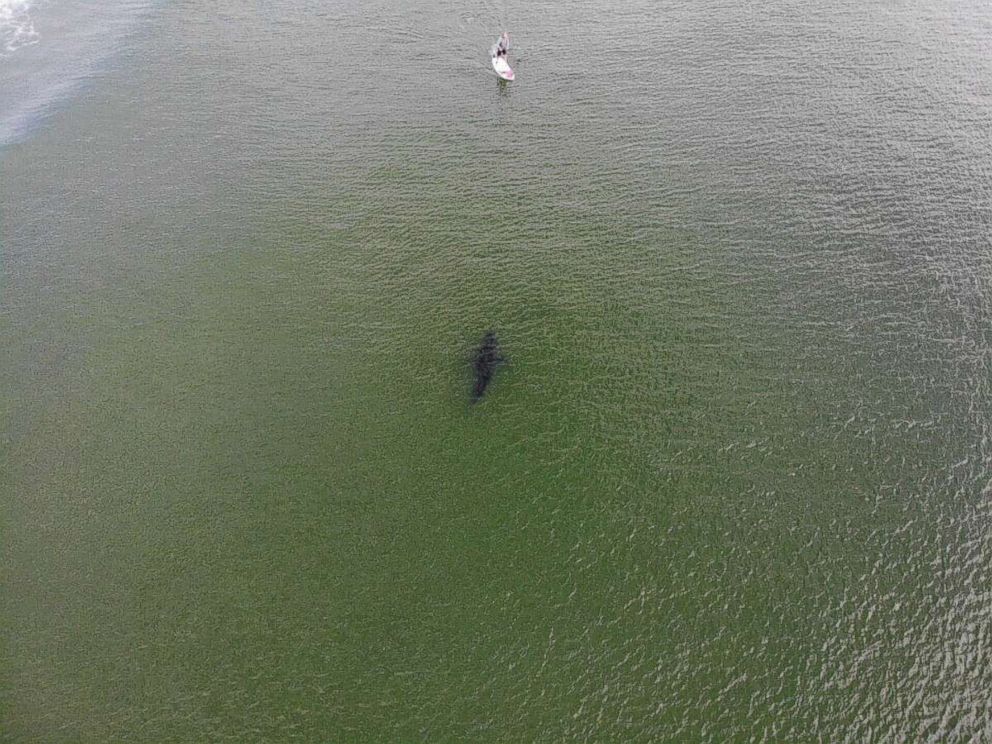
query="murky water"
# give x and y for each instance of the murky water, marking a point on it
(732, 483)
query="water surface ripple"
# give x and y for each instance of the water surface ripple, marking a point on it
(732, 483)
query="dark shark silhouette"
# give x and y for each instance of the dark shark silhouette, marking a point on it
(487, 360)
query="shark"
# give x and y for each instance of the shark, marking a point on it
(486, 361)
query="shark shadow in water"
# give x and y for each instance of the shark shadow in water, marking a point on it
(487, 359)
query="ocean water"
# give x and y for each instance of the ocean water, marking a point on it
(732, 484)
(51, 49)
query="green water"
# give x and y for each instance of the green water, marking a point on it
(732, 485)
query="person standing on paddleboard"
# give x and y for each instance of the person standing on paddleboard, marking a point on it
(500, 63)
(503, 45)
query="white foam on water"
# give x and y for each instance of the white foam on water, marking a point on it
(16, 28)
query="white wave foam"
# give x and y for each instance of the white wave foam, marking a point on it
(16, 29)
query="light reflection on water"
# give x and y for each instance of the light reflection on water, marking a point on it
(48, 52)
